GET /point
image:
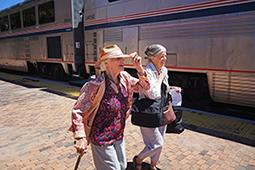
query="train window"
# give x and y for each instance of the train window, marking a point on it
(15, 20)
(112, 0)
(46, 12)
(4, 23)
(54, 47)
(29, 17)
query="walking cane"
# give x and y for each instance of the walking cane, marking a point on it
(78, 160)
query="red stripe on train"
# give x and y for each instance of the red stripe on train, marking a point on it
(194, 69)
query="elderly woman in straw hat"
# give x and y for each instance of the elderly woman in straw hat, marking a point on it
(99, 115)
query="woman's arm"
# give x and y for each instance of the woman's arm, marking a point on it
(155, 81)
(79, 111)
(82, 108)
(141, 84)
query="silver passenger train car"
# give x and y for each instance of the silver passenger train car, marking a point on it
(45, 36)
(211, 43)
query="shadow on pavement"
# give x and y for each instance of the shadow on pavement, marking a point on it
(145, 166)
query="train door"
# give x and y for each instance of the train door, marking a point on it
(130, 45)
(98, 45)
(78, 36)
(130, 40)
(33, 51)
(92, 44)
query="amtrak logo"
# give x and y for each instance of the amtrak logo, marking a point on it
(90, 17)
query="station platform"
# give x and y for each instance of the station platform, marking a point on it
(36, 114)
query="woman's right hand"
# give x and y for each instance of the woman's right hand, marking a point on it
(161, 77)
(81, 145)
(137, 61)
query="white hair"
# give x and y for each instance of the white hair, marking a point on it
(102, 65)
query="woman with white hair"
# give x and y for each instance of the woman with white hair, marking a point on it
(99, 115)
(157, 74)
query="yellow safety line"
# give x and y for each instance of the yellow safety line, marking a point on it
(220, 124)
(74, 91)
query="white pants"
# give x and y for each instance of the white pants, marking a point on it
(153, 138)
(110, 158)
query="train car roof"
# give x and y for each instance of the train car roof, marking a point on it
(17, 5)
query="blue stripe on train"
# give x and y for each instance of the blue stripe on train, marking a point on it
(39, 33)
(182, 15)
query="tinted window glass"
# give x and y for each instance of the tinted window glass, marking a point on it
(112, 0)
(29, 17)
(54, 47)
(4, 23)
(15, 21)
(46, 12)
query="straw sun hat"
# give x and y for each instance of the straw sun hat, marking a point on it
(110, 51)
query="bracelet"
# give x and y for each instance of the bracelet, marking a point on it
(79, 138)
(143, 73)
(140, 74)
(76, 139)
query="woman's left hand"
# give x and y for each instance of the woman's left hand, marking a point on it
(137, 61)
(81, 146)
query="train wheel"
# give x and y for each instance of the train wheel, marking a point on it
(58, 73)
(196, 88)
(86, 76)
(199, 95)
(32, 69)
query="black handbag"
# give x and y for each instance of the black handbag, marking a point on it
(176, 126)
(149, 112)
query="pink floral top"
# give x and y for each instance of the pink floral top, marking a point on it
(89, 91)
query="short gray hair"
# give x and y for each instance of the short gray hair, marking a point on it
(154, 49)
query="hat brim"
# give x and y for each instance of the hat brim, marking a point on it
(97, 65)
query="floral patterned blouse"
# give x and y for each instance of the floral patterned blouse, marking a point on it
(109, 123)
(88, 92)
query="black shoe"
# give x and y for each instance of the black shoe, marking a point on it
(135, 164)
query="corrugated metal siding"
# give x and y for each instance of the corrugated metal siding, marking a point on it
(234, 88)
(113, 35)
(231, 25)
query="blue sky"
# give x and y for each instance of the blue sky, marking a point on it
(6, 3)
